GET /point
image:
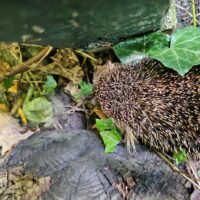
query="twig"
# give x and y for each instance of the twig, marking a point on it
(182, 8)
(171, 165)
(86, 55)
(74, 109)
(193, 169)
(194, 14)
(34, 61)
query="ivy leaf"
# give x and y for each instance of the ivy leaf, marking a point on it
(110, 139)
(49, 85)
(38, 110)
(85, 90)
(137, 48)
(184, 50)
(8, 82)
(180, 156)
(106, 124)
(180, 51)
(109, 133)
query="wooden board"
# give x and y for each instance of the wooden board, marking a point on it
(78, 23)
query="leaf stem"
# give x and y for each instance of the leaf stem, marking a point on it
(29, 94)
(194, 14)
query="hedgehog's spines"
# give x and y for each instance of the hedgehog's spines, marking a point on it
(160, 107)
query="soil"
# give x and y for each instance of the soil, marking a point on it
(184, 12)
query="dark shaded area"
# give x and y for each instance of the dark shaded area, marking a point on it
(76, 23)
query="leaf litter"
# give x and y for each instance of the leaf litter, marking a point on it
(29, 76)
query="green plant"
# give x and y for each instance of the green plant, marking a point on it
(85, 90)
(109, 133)
(180, 156)
(7, 83)
(50, 85)
(194, 13)
(198, 172)
(179, 51)
(37, 110)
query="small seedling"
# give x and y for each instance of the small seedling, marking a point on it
(180, 156)
(85, 90)
(110, 134)
(50, 85)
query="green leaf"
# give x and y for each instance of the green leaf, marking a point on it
(38, 110)
(109, 133)
(198, 173)
(137, 48)
(110, 139)
(8, 82)
(180, 156)
(85, 90)
(49, 85)
(180, 54)
(184, 50)
(106, 124)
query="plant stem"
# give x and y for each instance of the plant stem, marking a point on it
(194, 14)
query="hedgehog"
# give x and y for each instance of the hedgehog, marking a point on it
(153, 104)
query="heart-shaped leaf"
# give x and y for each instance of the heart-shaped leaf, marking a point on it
(180, 51)
(134, 49)
(184, 50)
(110, 139)
(38, 110)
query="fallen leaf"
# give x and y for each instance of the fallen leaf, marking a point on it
(102, 69)
(99, 113)
(22, 115)
(10, 132)
(3, 107)
(65, 64)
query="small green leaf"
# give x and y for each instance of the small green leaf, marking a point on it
(137, 48)
(106, 124)
(184, 50)
(198, 173)
(109, 133)
(85, 90)
(8, 82)
(38, 110)
(49, 85)
(110, 139)
(180, 156)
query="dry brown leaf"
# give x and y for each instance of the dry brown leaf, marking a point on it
(10, 132)
(102, 69)
(65, 64)
(99, 113)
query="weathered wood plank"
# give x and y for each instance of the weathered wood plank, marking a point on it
(76, 23)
